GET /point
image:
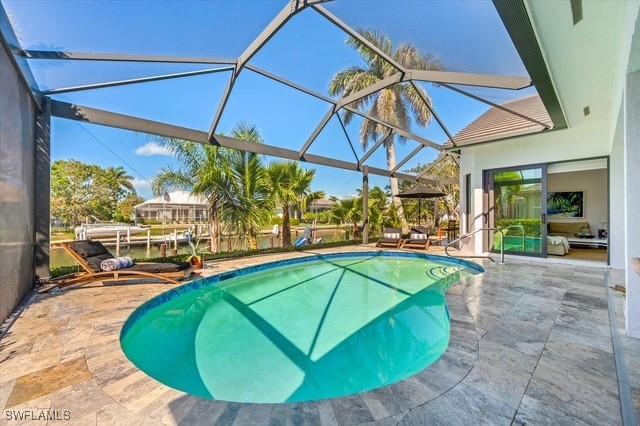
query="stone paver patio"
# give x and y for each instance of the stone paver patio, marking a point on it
(530, 344)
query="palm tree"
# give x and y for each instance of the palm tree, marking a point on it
(347, 210)
(399, 104)
(204, 171)
(122, 179)
(308, 198)
(289, 183)
(251, 208)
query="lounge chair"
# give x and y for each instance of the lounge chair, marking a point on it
(391, 238)
(419, 239)
(89, 254)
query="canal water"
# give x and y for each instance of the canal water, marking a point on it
(59, 257)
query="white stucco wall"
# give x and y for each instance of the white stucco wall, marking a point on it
(617, 198)
(632, 200)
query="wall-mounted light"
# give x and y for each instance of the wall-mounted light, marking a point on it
(586, 110)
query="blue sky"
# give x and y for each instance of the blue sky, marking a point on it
(465, 35)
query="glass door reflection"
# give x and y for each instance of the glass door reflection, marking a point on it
(518, 209)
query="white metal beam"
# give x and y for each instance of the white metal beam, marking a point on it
(133, 81)
(407, 158)
(397, 129)
(377, 86)
(355, 34)
(118, 57)
(495, 105)
(316, 132)
(290, 9)
(121, 121)
(468, 79)
(375, 146)
(433, 112)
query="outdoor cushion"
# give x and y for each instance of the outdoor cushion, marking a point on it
(391, 235)
(88, 248)
(418, 236)
(158, 268)
(95, 261)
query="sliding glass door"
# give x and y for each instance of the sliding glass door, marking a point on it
(517, 199)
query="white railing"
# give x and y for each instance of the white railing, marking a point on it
(465, 236)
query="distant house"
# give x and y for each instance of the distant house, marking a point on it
(321, 205)
(173, 207)
(316, 206)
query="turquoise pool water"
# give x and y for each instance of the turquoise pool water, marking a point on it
(298, 331)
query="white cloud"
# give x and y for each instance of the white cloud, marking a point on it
(142, 186)
(152, 148)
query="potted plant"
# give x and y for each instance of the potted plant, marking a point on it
(196, 259)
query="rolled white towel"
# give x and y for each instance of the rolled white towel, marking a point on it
(116, 263)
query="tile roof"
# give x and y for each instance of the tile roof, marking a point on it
(176, 197)
(499, 124)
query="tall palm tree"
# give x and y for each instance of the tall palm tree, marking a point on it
(251, 208)
(399, 104)
(288, 182)
(204, 171)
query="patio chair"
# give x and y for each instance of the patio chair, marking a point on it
(391, 238)
(419, 239)
(89, 254)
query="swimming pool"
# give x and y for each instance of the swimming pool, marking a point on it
(298, 330)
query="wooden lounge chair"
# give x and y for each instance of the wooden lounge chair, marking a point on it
(89, 254)
(419, 239)
(391, 238)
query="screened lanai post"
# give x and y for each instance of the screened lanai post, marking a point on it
(365, 205)
(42, 190)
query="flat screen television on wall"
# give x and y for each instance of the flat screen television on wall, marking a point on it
(565, 204)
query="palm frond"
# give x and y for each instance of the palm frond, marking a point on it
(409, 56)
(168, 179)
(419, 110)
(376, 63)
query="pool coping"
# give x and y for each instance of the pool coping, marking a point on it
(388, 401)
